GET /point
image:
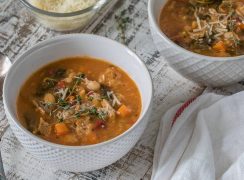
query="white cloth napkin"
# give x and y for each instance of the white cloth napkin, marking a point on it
(205, 143)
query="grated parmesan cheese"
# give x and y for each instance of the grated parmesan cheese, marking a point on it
(62, 6)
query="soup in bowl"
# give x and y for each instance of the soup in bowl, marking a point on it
(208, 27)
(200, 39)
(78, 102)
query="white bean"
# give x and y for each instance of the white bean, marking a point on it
(68, 79)
(93, 85)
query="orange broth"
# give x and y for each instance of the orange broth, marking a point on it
(78, 101)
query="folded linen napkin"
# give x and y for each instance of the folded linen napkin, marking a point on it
(206, 141)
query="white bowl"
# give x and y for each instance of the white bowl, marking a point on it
(213, 71)
(77, 158)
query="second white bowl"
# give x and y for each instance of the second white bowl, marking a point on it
(212, 71)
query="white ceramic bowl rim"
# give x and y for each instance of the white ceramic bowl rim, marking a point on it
(54, 40)
(154, 21)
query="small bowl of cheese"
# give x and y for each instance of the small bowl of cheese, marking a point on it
(64, 15)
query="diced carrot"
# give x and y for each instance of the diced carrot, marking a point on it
(241, 26)
(123, 111)
(219, 46)
(61, 129)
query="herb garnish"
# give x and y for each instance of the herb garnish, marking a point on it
(77, 81)
(78, 99)
(69, 104)
(79, 78)
(102, 115)
(63, 104)
(93, 111)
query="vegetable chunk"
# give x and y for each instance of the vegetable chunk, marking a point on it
(61, 129)
(124, 111)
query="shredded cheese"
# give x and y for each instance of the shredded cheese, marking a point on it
(62, 6)
(114, 98)
(63, 92)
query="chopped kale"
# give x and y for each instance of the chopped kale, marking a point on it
(63, 104)
(46, 84)
(103, 91)
(59, 73)
(78, 99)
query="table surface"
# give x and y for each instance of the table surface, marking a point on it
(19, 31)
